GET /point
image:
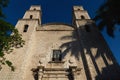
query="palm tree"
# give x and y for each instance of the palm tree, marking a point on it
(108, 15)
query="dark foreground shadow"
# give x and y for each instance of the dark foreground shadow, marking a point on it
(111, 72)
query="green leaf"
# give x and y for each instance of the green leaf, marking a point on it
(1, 54)
(8, 63)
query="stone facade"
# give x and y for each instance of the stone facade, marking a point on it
(58, 51)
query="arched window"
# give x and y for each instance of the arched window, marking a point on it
(82, 17)
(34, 9)
(25, 28)
(78, 9)
(31, 16)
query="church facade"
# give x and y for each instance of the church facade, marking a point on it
(58, 51)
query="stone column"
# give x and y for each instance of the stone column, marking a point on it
(41, 69)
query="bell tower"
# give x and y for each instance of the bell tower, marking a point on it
(27, 28)
(33, 13)
(30, 20)
(80, 16)
(96, 55)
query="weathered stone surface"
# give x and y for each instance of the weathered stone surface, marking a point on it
(84, 52)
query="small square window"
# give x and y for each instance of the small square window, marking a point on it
(56, 55)
(82, 17)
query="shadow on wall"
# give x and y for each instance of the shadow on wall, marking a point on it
(72, 46)
(109, 73)
(87, 39)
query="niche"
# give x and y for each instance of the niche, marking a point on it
(34, 9)
(82, 17)
(31, 16)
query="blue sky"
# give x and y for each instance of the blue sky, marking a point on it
(60, 11)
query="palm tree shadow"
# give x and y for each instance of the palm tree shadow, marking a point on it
(86, 41)
(108, 16)
(76, 50)
(83, 40)
(72, 46)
